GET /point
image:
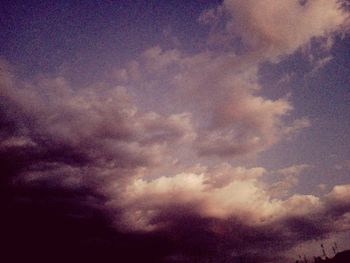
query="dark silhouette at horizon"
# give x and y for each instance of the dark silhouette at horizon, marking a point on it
(340, 257)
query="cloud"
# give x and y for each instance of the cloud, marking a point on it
(193, 192)
(290, 178)
(279, 28)
(100, 145)
(234, 119)
(238, 213)
(145, 171)
(97, 128)
(130, 73)
(297, 125)
(223, 92)
(156, 59)
(253, 124)
(223, 192)
(339, 195)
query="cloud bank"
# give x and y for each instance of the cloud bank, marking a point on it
(147, 171)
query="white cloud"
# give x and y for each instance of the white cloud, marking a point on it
(276, 28)
(340, 194)
(147, 200)
(156, 204)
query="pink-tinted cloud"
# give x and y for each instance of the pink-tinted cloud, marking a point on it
(147, 167)
(277, 28)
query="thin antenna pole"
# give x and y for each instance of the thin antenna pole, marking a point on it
(324, 252)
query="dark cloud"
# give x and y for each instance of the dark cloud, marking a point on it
(58, 147)
(49, 224)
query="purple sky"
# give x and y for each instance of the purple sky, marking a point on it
(188, 131)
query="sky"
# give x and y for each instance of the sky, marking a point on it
(174, 131)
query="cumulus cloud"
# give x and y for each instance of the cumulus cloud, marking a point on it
(99, 128)
(340, 194)
(101, 144)
(231, 118)
(195, 193)
(278, 28)
(241, 211)
(222, 192)
(234, 118)
(99, 141)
